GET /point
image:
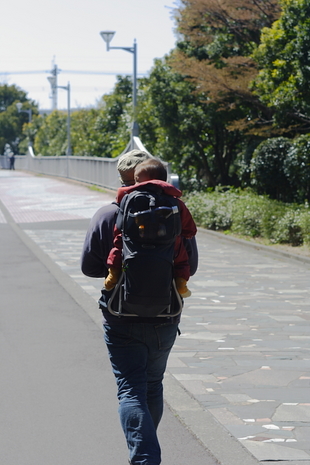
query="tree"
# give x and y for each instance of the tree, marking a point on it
(218, 37)
(101, 132)
(11, 122)
(29, 132)
(183, 128)
(104, 131)
(10, 95)
(85, 139)
(267, 169)
(51, 138)
(296, 167)
(284, 67)
(216, 41)
(115, 117)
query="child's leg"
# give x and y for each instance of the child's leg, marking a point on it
(181, 269)
(112, 279)
(181, 285)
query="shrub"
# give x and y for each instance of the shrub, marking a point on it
(248, 214)
(288, 229)
(267, 169)
(256, 216)
(212, 210)
(304, 223)
(297, 168)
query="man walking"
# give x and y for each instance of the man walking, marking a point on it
(138, 346)
(12, 161)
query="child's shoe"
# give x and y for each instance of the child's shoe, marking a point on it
(112, 279)
(181, 285)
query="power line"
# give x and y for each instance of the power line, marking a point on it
(54, 76)
(108, 73)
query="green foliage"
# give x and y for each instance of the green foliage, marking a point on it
(185, 129)
(284, 62)
(11, 122)
(297, 168)
(51, 138)
(289, 229)
(213, 52)
(10, 95)
(304, 223)
(247, 218)
(113, 124)
(101, 132)
(267, 169)
(247, 214)
(280, 168)
(212, 210)
(85, 140)
(29, 133)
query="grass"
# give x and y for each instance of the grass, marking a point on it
(97, 188)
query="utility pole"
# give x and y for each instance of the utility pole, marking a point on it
(53, 82)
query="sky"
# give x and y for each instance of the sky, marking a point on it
(35, 35)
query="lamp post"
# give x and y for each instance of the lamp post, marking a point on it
(19, 109)
(107, 36)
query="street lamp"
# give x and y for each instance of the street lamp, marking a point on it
(107, 37)
(19, 109)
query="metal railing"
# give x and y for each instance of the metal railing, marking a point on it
(93, 170)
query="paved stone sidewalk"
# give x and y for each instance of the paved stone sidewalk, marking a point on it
(244, 352)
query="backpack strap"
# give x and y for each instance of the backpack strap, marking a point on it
(121, 210)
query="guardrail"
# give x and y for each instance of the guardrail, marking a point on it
(93, 170)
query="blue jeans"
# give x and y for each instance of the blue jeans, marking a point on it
(138, 354)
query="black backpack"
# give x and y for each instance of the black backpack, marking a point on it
(150, 221)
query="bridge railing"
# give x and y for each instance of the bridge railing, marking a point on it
(93, 170)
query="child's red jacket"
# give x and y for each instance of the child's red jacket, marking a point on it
(181, 265)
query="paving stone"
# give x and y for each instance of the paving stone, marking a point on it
(202, 335)
(273, 452)
(224, 416)
(303, 434)
(265, 378)
(292, 413)
(279, 394)
(245, 430)
(175, 362)
(196, 387)
(258, 410)
(194, 376)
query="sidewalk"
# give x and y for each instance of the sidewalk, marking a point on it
(239, 375)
